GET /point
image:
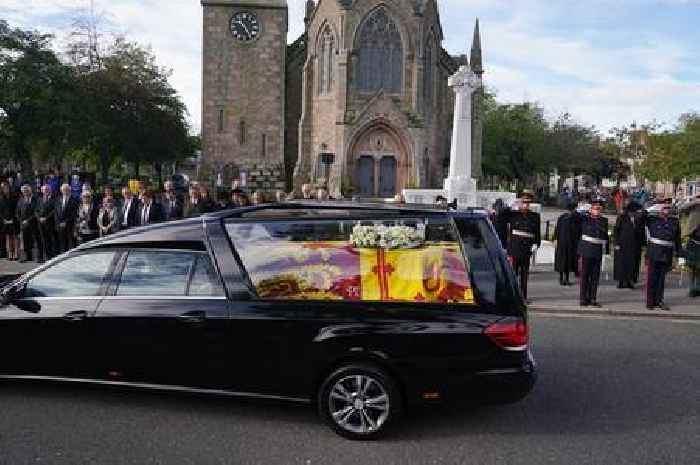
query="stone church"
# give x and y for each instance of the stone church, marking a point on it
(359, 103)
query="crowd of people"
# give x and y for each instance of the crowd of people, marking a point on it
(582, 239)
(57, 218)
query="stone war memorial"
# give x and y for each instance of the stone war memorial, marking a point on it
(364, 102)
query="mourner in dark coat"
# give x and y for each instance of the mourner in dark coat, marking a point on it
(641, 236)
(196, 205)
(8, 221)
(626, 236)
(593, 244)
(694, 261)
(45, 221)
(65, 215)
(172, 207)
(567, 234)
(524, 236)
(150, 211)
(664, 241)
(26, 215)
(129, 209)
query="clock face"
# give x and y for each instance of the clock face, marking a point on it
(245, 26)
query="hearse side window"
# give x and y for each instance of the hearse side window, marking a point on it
(483, 271)
(205, 281)
(168, 274)
(398, 260)
(79, 276)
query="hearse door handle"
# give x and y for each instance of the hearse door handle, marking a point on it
(192, 317)
(80, 315)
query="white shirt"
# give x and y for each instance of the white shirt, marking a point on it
(127, 207)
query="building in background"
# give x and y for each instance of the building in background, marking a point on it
(359, 102)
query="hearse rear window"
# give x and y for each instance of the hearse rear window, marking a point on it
(407, 260)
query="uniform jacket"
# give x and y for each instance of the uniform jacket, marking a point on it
(596, 228)
(529, 222)
(668, 230)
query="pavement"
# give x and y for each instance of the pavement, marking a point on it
(610, 391)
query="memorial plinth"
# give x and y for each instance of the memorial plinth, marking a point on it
(460, 185)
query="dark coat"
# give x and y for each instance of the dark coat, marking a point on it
(26, 213)
(171, 211)
(45, 209)
(8, 220)
(155, 214)
(520, 246)
(567, 234)
(65, 218)
(626, 234)
(200, 208)
(596, 228)
(132, 218)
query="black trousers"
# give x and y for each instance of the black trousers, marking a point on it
(521, 265)
(47, 241)
(590, 277)
(28, 239)
(66, 238)
(656, 282)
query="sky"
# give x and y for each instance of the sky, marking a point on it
(606, 63)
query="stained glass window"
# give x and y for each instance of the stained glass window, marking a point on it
(380, 52)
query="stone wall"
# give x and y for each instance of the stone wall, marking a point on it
(243, 116)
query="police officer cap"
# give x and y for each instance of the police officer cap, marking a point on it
(527, 194)
(597, 201)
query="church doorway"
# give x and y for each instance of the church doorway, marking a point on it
(387, 177)
(378, 163)
(365, 175)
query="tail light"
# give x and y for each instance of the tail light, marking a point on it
(509, 335)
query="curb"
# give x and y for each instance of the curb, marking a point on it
(578, 311)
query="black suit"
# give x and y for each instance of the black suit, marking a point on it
(26, 209)
(172, 210)
(150, 214)
(65, 215)
(130, 213)
(198, 209)
(47, 228)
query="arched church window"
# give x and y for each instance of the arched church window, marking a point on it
(428, 76)
(325, 57)
(380, 50)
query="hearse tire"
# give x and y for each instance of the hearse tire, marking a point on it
(359, 401)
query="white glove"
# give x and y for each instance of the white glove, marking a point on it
(534, 248)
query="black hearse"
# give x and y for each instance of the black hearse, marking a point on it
(359, 309)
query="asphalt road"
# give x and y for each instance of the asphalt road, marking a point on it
(611, 391)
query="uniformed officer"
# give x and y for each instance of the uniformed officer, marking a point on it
(524, 236)
(593, 244)
(664, 238)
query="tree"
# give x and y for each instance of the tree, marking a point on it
(36, 92)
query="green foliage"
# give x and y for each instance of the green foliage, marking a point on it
(115, 107)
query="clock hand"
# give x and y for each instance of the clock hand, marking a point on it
(247, 31)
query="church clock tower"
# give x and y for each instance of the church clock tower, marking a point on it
(243, 78)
